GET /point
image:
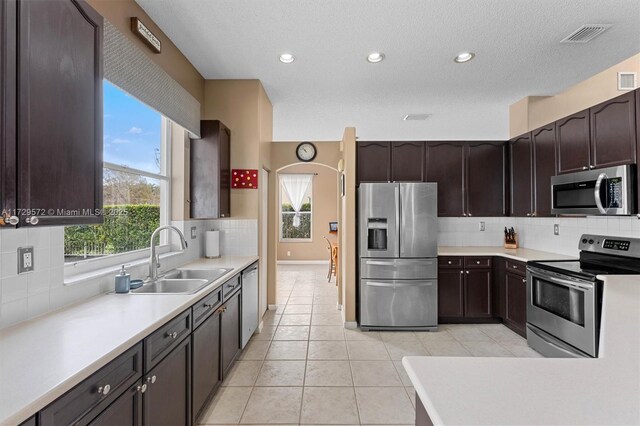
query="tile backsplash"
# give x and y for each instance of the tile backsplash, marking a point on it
(31, 294)
(533, 233)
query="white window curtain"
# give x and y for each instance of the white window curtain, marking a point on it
(296, 186)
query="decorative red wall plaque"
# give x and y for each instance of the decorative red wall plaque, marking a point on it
(244, 178)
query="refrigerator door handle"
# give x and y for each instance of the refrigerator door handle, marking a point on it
(398, 221)
(397, 284)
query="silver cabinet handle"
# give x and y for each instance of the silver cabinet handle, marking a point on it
(461, 272)
(469, 214)
(104, 390)
(585, 168)
(142, 389)
(208, 305)
(592, 167)
(172, 335)
(467, 272)
(152, 379)
(533, 214)
(464, 214)
(528, 214)
(32, 220)
(14, 220)
(515, 267)
(524, 280)
(449, 262)
(477, 262)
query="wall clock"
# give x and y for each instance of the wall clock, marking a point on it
(306, 151)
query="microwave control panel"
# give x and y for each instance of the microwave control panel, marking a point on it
(614, 193)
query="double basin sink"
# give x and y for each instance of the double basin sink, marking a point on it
(182, 281)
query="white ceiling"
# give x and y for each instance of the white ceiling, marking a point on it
(331, 86)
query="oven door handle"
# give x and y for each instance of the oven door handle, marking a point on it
(596, 192)
(583, 285)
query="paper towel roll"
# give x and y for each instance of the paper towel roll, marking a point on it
(212, 244)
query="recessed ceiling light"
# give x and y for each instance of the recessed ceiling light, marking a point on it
(375, 57)
(464, 57)
(287, 58)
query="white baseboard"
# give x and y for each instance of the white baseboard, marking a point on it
(303, 262)
(350, 325)
(272, 307)
(260, 326)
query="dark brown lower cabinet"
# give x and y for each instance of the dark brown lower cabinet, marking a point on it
(516, 302)
(477, 293)
(230, 332)
(125, 411)
(422, 417)
(167, 399)
(31, 421)
(206, 362)
(450, 293)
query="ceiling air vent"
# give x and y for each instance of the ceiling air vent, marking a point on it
(416, 117)
(586, 33)
(627, 80)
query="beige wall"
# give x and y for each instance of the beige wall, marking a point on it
(119, 12)
(283, 155)
(348, 226)
(324, 210)
(535, 111)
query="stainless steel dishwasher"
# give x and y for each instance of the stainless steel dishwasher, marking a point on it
(249, 302)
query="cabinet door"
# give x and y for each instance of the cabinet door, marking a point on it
(167, 399)
(521, 182)
(206, 362)
(573, 142)
(638, 149)
(450, 293)
(125, 411)
(407, 161)
(477, 293)
(8, 38)
(210, 173)
(544, 160)
(60, 111)
(613, 132)
(485, 179)
(445, 166)
(230, 333)
(516, 299)
(374, 162)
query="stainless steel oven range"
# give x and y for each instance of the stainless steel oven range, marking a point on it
(564, 298)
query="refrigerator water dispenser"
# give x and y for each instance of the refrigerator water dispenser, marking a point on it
(377, 234)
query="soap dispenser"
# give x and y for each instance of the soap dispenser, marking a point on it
(123, 279)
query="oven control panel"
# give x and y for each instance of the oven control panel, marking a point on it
(616, 244)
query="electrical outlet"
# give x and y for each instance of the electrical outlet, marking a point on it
(193, 233)
(25, 259)
(482, 227)
(556, 229)
(288, 253)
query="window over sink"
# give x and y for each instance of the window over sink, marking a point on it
(136, 181)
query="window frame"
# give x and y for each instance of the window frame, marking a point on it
(280, 215)
(164, 177)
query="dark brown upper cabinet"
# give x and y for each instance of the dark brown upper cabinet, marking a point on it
(53, 112)
(445, 166)
(521, 176)
(638, 149)
(211, 171)
(573, 140)
(485, 179)
(544, 166)
(374, 162)
(407, 161)
(613, 132)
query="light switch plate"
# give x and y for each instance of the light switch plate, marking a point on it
(482, 226)
(25, 259)
(194, 234)
(556, 229)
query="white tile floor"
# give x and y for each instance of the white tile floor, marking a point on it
(305, 368)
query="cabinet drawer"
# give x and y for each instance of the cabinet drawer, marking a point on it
(477, 262)
(450, 262)
(161, 342)
(516, 267)
(205, 307)
(231, 287)
(99, 390)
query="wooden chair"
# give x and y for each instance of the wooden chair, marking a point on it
(332, 265)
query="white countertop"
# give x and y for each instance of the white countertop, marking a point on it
(43, 358)
(521, 254)
(544, 391)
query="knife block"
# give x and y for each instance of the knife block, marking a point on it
(511, 243)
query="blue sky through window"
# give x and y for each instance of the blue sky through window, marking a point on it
(131, 130)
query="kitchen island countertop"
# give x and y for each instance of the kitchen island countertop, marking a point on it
(528, 391)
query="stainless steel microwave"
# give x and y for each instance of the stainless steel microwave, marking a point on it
(608, 191)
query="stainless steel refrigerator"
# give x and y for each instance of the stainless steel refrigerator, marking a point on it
(398, 244)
